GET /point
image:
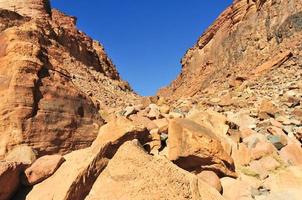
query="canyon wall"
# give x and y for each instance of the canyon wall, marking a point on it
(246, 35)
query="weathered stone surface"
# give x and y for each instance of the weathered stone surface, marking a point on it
(42, 168)
(9, 178)
(196, 148)
(146, 177)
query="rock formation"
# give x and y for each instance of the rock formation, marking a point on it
(29, 8)
(247, 35)
(54, 79)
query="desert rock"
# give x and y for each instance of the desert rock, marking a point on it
(147, 177)
(195, 148)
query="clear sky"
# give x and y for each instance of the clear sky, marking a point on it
(146, 39)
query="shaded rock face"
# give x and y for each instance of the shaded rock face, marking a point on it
(9, 178)
(53, 81)
(245, 36)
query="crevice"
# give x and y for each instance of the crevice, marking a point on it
(37, 94)
(42, 73)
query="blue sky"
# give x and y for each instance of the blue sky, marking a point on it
(146, 39)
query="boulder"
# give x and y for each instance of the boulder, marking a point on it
(291, 154)
(267, 109)
(243, 120)
(164, 109)
(235, 189)
(154, 112)
(162, 125)
(262, 149)
(9, 178)
(264, 166)
(212, 179)
(241, 155)
(215, 122)
(22, 154)
(42, 168)
(143, 121)
(146, 177)
(285, 184)
(119, 131)
(279, 141)
(196, 148)
(154, 146)
(129, 110)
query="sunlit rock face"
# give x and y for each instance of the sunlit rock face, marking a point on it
(54, 80)
(29, 8)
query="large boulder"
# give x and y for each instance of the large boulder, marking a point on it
(212, 179)
(119, 131)
(74, 179)
(9, 178)
(133, 174)
(215, 122)
(196, 148)
(236, 189)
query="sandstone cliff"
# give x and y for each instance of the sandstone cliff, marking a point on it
(54, 79)
(246, 35)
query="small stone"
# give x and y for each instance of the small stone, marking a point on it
(275, 123)
(165, 109)
(277, 140)
(130, 110)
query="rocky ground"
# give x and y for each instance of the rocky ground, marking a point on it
(236, 136)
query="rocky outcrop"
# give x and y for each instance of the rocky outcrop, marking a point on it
(247, 35)
(54, 80)
(30, 8)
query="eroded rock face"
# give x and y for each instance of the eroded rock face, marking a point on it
(54, 80)
(249, 37)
